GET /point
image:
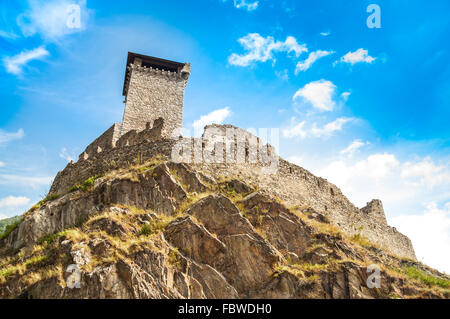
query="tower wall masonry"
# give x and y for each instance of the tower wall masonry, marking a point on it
(152, 94)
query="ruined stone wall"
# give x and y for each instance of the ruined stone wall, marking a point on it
(374, 210)
(152, 94)
(108, 160)
(104, 142)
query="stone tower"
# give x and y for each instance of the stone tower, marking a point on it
(154, 88)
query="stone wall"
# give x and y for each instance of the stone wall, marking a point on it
(375, 211)
(152, 94)
(106, 141)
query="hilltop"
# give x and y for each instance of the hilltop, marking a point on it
(159, 229)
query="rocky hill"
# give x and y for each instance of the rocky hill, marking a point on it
(158, 229)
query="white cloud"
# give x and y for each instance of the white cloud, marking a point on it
(248, 5)
(2, 164)
(325, 34)
(297, 130)
(382, 175)
(15, 63)
(358, 56)
(53, 19)
(260, 49)
(215, 117)
(330, 128)
(283, 75)
(12, 201)
(33, 182)
(429, 233)
(8, 35)
(300, 130)
(320, 94)
(353, 147)
(374, 167)
(65, 155)
(6, 137)
(313, 57)
(425, 173)
(345, 96)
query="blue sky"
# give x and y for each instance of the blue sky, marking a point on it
(365, 108)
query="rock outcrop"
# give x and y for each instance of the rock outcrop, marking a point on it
(168, 230)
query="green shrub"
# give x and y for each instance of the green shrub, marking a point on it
(84, 185)
(145, 230)
(156, 226)
(50, 238)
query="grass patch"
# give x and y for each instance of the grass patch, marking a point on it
(5, 273)
(328, 229)
(47, 199)
(145, 230)
(35, 260)
(86, 185)
(429, 280)
(156, 226)
(363, 241)
(50, 238)
(174, 258)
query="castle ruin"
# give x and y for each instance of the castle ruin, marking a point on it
(154, 93)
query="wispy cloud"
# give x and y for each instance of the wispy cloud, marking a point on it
(313, 57)
(301, 130)
(16, 180)
(320, 94)
(297, 130)
(6, 137)
(345, 96)
(216, 117)
(325, 34)
(15, 64)
(283, 75)
(359, 56)
(330, 128)
(8, 35)
(245, 4)
(53, 19)
(353, 147)
(13, 201)
(262, 49)
(65, 155)
(2, 164)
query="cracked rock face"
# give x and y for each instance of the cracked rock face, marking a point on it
(166, 230)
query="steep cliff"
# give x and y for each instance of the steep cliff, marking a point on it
(159, 229)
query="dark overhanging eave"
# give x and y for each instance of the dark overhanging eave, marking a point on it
(150, 61)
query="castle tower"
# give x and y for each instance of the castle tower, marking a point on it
(154, 88)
